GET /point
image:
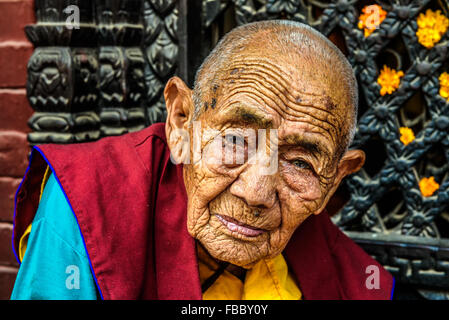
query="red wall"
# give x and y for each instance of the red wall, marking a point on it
(15, 50)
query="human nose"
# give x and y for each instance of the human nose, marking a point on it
(255, 188)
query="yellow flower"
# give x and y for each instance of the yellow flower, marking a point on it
(428, 186)
(407, 135)
(444, 85)
(371, 18)
(389, 80)
(431, 26)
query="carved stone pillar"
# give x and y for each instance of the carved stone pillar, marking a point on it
(121, 72)
(85, 69)
(161, 52)
(61, 85)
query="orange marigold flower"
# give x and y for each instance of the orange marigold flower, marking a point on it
(371, 18)
(444, 85)
(428, 186)
(389, 80)
(431, 26)
(407, 135)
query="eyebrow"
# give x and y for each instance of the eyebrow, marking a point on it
(311, 145)
(247, 115)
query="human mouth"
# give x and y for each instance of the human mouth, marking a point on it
(239, 227)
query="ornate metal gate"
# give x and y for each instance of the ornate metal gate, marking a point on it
(106, 78)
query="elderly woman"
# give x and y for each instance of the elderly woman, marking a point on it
(224, 201)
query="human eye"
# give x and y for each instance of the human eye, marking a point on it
(301, 164)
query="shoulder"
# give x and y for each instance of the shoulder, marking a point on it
(89, 172)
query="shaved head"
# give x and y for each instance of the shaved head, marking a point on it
(299, 45)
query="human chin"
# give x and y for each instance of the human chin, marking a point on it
(226, 244)
(227, 248)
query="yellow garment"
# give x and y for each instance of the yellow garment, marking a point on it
(269, 279)
(24, 238)
(23, 243)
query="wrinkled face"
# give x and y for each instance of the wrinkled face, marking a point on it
(244, 211)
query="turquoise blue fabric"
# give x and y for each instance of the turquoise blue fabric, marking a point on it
(55, 265)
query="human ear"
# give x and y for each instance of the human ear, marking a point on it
(351, 162)
(179, 104)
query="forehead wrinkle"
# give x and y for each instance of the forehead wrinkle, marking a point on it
(280, 82)
(275, 71)
(259, 64)
(266, 78)
(276, 96)
(282, 93)
(288, 107)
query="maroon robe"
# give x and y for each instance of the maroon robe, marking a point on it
(129, 200)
